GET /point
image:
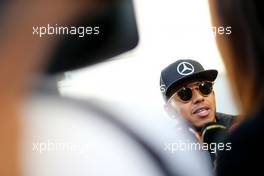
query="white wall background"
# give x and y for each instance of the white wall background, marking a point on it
(169, 30)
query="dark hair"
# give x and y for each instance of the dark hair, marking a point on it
(243, 50)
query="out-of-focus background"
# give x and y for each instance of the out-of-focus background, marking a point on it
(169, 30)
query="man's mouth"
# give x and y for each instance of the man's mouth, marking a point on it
(201, 111)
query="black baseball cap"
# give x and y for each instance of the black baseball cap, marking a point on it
(183, 71)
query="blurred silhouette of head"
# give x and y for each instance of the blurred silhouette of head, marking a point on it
(243, 50)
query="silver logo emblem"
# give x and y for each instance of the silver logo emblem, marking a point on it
(185, 68)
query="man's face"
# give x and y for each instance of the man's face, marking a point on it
(199, 110)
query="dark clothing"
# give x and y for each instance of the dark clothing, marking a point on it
(246, 155)
(225, 119)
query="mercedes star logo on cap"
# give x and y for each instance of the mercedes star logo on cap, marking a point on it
(185, 68)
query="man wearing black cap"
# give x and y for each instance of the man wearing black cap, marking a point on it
(187, 89)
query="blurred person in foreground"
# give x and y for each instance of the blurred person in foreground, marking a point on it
(43, 133)
(23, 55)
(243, 53)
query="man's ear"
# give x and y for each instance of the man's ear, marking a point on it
(170, 110)
(166, 108)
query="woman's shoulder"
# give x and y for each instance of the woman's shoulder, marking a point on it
(246, 148)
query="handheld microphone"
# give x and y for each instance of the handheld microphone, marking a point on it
(213, 133)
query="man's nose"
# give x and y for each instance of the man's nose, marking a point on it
(197, 97)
